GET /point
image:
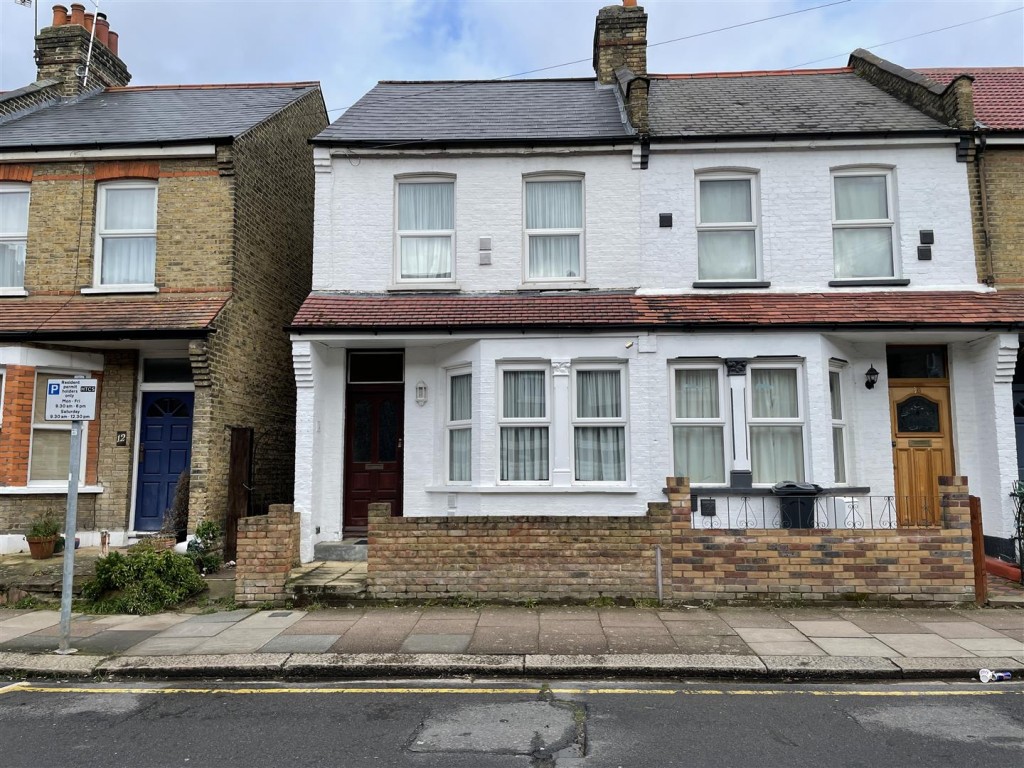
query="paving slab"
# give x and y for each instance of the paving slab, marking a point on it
(589, 640)
(705, 627)
(922, 646)
(624, 617)
(300, 644)
(196, 665)
(854, 646)
(270, 620)
(959, 630)
(787, 648)
(806, 614)
(887, 623)
(956, 668)
(829, 628)
(113, 641)
(33, 621)
(159, 621)
(369, 639)
(822, 667)
(436, 643)
(224, 616)
(996, 619)
(710, 665)
(312, 627)
(508, 617)
(767, 635)
(1003, 645)
(688, 614)
(237, 641)
(30, 643)
(335, 614)
(166, 646)
(430, 626)
(752, 617)
(48, 665)
(504, 640)
(714, 645)
(567, 614)
(397, 664)
(192, 628)
(78, 629)
(640, 640)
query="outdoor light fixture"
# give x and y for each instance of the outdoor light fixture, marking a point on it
(421, 393)
(870, 378)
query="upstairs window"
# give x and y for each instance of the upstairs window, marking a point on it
(862, 224)
(126, 234)
(426, 229)
(13, 235)
(554, 229)
(727, 242)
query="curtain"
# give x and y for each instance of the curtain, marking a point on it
(860, 198)
(839, 454)
(776, 453)
(12, 264)
(863, 252)
(697, 394)
(601, 453)
(774, 393)
(835, 393)
(130, 209)
(14, 213)
(598, 395)
(461, 397)
(554, 256)
(554, 205)
(524, 453)
(460, 443)
(524, 395)
(726, 255)
(426, 257)
(128, 260)
(699, 453)
(428, 206)
(725, 201)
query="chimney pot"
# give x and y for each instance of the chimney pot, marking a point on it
(112, 42)
(102, 29)
(60, 15)
(89, 19)
(629, 3)
(78, 14)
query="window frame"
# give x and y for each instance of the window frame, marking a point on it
(753, 177)
(839, 425)
(54, 426)
(504, 422)
(11, 188)
(576, 421)
(888, 173)
(724, 413)
(398, 234)
(457, 425)
(541, 177)
(800, 420)
(101, 233)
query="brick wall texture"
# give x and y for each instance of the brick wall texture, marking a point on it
(268, 548)
(1004, 180)
(552, 558)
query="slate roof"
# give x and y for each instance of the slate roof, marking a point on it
(114, 316)
(790, 102)
(482, 111)
(431, 312)
(149, 115)
(998, 93)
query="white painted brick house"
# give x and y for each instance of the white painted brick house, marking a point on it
(543, 297)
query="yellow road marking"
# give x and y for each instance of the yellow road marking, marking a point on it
(28, 688)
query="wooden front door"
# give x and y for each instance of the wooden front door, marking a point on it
(165, 448)
(373, 451)
(922, 447)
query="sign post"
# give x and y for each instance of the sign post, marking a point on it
(71, 400)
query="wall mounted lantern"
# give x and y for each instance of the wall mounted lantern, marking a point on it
(421, 393)
(870, 377)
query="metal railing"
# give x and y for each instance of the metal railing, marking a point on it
(713, 511)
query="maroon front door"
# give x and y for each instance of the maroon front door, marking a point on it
(373, 451)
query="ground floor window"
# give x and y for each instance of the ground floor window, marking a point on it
(599, 425)
(524, 423)
(775, 424)
(460, 427)
(51, 440)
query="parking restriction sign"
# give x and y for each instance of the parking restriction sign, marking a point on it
(70, 399)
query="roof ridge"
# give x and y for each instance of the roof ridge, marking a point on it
(210, 86)
(492, 80)
(753, 73)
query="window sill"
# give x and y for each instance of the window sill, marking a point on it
(447, 285)
(554, 286)
(32, 490)
(484, 489)
(121, 289)
(13, 292)
(740, 284)
(855, 282)
(766, 490)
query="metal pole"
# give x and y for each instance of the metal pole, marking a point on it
(70, 525)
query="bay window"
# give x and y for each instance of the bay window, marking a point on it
(599, 425)
(51, 440)
(524, 424)
(460, 427)
(554, 229)
(425, 223)
(126, 234)
(775, 424)
(862, 224)
(698, 424)
(835, 392)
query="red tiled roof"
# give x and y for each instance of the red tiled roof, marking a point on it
(998, 93)
(323, 311)
(118, 315)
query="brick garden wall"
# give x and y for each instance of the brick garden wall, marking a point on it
(551, 558)
(268, 548)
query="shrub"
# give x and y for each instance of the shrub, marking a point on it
(205, 549)
(46, 526)
(142, 582)
(176, 516)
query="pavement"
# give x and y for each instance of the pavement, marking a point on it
(769, 643)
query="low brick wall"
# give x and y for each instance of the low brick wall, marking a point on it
(268, 548)
(514, 558)
(581, 558)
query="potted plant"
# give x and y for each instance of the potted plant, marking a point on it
(42, 536)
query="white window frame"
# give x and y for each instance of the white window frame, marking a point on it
(12, 188)
(839, 426)
(457, 425)
(504, 422)
(754, 225)
(101, 234)
(889, 222)
(622, 420)
(799, 421)
(580, 231)
(431, 178)
(724, 413)
(54, 426)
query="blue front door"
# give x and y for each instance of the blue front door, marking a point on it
(165, 449)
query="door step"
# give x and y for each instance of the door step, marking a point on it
(346, 550)
(328, 583)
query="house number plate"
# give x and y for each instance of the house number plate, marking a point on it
(919, 443)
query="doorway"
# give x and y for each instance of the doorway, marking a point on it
(922, 434)
(374, 412)
(165, 451)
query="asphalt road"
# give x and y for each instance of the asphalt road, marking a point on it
(448, 724)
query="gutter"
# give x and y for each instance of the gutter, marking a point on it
(106, 335)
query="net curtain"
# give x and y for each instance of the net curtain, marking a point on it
(554, 205)
(425, 207)
(600, 450)
(129, 259)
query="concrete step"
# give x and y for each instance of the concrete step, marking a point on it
(346, 550)
(327, 582)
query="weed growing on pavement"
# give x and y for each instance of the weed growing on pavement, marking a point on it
(601, 602)
(28, 603)
(646, 602)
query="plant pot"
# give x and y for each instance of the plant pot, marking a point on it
(41, 547)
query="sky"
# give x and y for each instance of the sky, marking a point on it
(348, 45)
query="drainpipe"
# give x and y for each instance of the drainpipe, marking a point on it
(986, 237)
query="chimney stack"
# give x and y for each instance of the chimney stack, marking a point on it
(620, 57)
(63, 48)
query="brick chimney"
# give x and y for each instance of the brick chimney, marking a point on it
(63, 47)
(620, 57)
